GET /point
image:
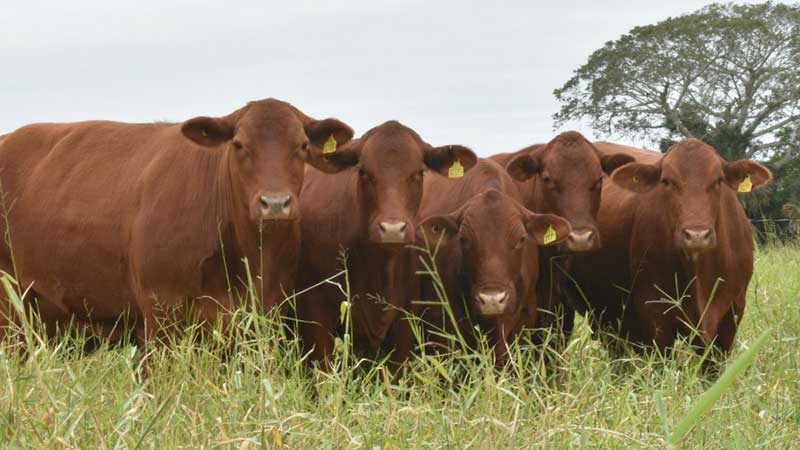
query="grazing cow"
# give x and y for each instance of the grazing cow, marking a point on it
(487, 255)
(563, 177)
(677, 247)
(370, 212)
(109, 220)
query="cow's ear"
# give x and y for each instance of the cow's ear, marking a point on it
(528, 164)
(745, 175)
(439, 229)
(328, 134)
(610, 163)
(524, 167)
(208, 131)
(450, 160)
(637, 177)
(547, 229)
(331, 157)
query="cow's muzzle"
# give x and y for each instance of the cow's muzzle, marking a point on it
(393, 232)
(583, 240)
(698, 238)
(277, 206)
(492, 302)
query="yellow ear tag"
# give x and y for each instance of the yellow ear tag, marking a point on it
(456, 170)
(746, 185)
(550, 235)
(330, 146)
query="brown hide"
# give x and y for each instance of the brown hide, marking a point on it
(672, 222)
(486, 245)
(562, 177)
(370, 211)
(113, 220)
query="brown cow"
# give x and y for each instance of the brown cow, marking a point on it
(487, 255)
(562, 177)
(369, 211)
(678, 248)
(111, 219)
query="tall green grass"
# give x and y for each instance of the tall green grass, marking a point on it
(248, 386)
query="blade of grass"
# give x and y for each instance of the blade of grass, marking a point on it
(706, 401)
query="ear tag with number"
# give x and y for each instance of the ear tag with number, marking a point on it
(550, 235)
(746, 185)
(456, 170)
(330, 146)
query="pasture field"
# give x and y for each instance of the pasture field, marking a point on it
(259, 396)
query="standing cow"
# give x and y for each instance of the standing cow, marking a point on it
(487, 253)
(109, 220)
(563, 177)
(677, 247)
(369, 211)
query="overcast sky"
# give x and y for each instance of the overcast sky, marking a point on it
(472, 74)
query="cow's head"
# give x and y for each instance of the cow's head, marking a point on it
(492, 234)
(569, 175)
(391, 160)
(267, 144)
(690, 178)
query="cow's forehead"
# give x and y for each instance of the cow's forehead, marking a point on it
(271, 119)
(392, 148)
(692, 160)
(491, 209)
(576, 158)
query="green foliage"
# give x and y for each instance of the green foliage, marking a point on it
(727, 74)
(774, 202)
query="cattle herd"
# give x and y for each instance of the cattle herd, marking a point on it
(109, 222)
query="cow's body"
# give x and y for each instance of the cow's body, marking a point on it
(490, 270)
(369, 211)
(646, 263)
(111, 222)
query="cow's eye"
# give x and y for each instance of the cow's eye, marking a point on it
(237, 144)
(304, 146)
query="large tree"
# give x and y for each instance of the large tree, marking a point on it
(728, 74)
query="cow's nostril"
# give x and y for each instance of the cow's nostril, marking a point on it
(287, 202)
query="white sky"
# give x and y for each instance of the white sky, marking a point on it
(458, 72)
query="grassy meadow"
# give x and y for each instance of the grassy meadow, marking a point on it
(260, 395)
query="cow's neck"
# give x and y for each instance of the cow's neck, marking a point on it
(261, 246)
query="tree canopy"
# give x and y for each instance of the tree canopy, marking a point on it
(728, 74)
